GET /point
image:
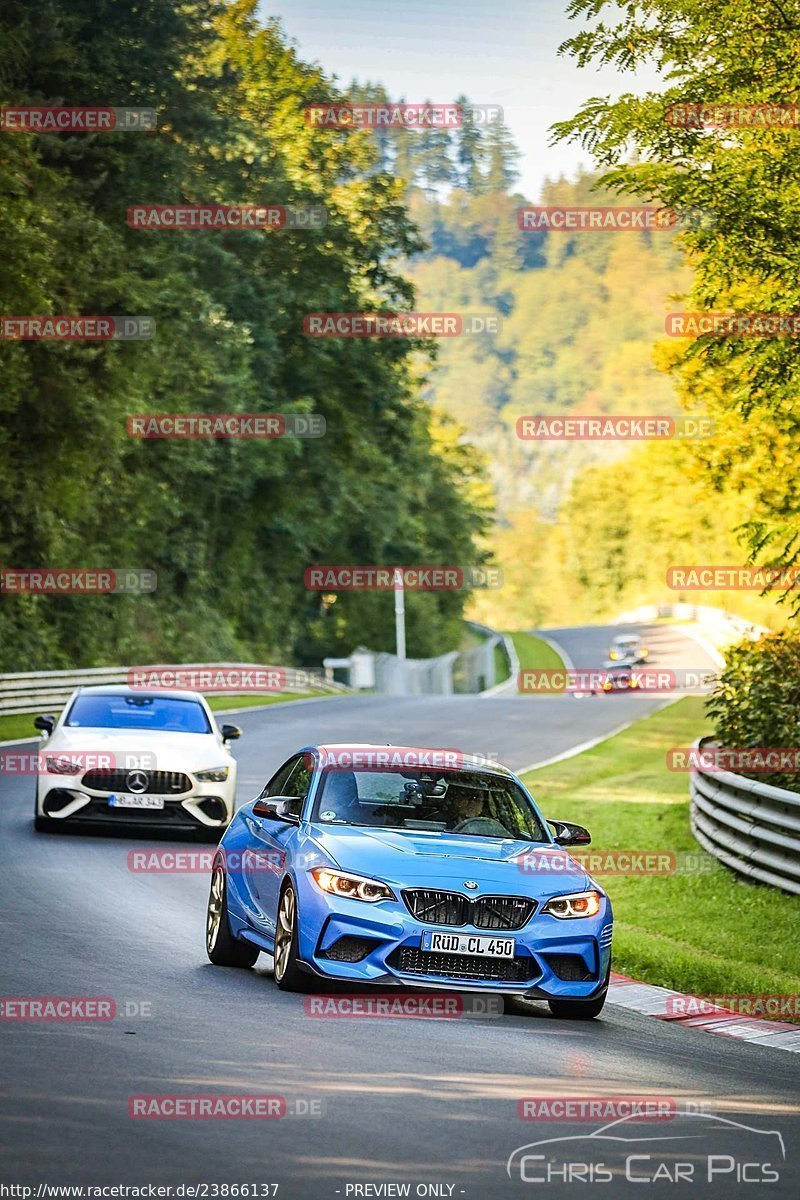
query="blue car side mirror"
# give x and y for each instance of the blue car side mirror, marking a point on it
(279, 808)
(568, 834)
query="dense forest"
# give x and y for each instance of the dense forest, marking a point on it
(229, 526)
(420, 442)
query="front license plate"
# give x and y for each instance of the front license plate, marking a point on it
(468, 943)
(117, 801)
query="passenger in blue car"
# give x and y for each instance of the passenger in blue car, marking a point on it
(341, 797)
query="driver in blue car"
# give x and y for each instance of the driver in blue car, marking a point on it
(468, 817)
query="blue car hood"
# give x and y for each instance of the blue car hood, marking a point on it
(436, 859)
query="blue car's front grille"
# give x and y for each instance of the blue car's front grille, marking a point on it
(437, 908)
(413, 961)
(451, 908)
(503, 912)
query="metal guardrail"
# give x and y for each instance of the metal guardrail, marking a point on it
(463, 671)
(506, 686)
(751, 827)
(36, 691)
(704, 614)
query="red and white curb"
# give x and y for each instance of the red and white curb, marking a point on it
(652, 1001)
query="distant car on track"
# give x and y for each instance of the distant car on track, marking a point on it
(618, 677)
(145, 759)
(628, 648)
(407, 875)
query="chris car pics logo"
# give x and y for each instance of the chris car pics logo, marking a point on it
(696, 1147)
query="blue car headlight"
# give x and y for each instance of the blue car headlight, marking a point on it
(576, 904)
(353, 887)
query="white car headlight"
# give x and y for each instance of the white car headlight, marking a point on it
(576, 904)
(213, 775)
(354, 887)
(62, 765)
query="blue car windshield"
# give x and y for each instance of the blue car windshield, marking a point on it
(166, 714)
(472, 803)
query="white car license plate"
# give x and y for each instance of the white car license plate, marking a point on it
(117, 801)
(468, 943)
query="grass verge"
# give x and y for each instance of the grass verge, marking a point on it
(221, 703)
(534, 654)
(502, 670)
(20, 725)
(714, 933)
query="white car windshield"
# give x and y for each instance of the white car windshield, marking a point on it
(166, 714)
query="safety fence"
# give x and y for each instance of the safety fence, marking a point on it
(750, 826)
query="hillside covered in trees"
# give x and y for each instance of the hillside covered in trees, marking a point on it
(416, 220)
(587, 529)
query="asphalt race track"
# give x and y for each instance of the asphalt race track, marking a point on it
(404, 1102)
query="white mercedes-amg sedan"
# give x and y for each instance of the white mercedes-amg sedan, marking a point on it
(129, 757)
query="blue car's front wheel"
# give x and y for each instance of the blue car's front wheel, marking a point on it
(222, 948)
(288, 975)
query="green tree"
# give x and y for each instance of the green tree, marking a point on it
(501, 156)
(738, 190)
(469, 149)
(229, 526)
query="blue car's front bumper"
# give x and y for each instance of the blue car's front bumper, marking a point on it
(553, 957)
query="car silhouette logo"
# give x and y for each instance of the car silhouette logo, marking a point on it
(471, 885)
(136, 781)
(618, 1133)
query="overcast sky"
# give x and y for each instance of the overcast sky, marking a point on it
(496, 53)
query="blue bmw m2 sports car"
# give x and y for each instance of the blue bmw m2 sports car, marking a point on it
(399, 866)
